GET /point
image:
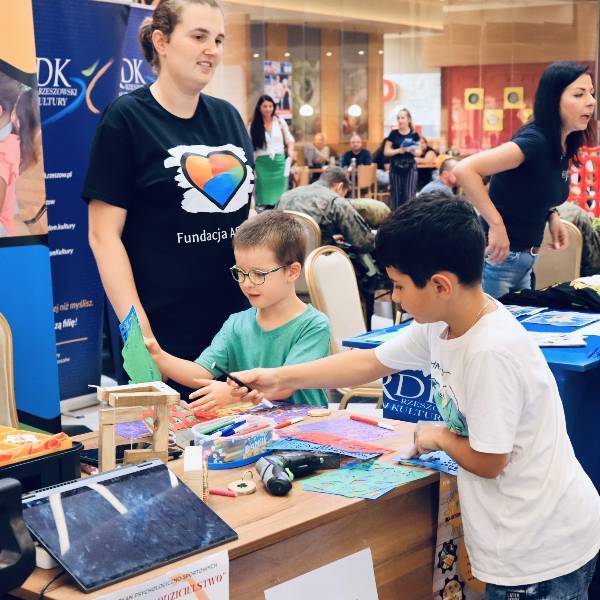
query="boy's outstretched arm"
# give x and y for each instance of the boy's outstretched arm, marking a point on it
(178, 369)
(433, 437)
(347, 369)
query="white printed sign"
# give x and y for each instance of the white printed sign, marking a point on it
(350, 578)
(204, 579)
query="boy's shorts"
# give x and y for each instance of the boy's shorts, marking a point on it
(573, 586)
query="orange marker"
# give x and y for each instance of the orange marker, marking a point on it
(289, 422)
(251, 429)
(372, 422)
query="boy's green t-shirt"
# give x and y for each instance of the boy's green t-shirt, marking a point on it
(242, 344)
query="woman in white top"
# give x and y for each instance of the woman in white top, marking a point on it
(271, 138)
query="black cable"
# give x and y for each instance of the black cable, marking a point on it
(59, 574)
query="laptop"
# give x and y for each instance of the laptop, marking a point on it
(114, 525)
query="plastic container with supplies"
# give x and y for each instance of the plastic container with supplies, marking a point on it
(239, 449)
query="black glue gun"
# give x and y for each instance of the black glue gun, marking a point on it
(277, 470)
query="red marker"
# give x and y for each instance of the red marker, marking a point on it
(372, 422)
(289, 422)
(223, 493)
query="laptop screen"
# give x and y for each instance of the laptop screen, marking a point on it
(114, 525)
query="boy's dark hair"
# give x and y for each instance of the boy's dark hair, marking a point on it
(546, 108)
(334, 175)
(435, 234)
(277, 230)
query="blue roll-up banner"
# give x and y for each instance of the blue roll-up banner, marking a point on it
(25, 283)
(79, 47)
(135, 69)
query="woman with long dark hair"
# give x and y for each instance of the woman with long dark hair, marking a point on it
(271, 139)
(401, 146)
(530, 177)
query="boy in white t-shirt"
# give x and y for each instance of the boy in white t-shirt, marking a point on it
(531, 515)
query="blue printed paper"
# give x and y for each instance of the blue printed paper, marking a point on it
(438, 461)
(563, 318)
(523, 311)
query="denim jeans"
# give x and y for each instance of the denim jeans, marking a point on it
(573, 586)
(513, 273)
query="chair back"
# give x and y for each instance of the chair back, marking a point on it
(313, 240)
(333, 290)
(366, 177)
(558, 266)
(8, 407)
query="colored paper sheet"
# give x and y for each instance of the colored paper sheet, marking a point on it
(132, 430)
(384, 337)
(336, 441)
(137, 362)
(362, 480)
(310, 447)
(523, 311)
(563, 318)
(352, 430)
(438, 461)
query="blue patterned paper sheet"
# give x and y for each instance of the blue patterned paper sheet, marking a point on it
(562, 318)
(438, 461)
(289, 444)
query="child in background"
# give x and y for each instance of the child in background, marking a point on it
(18, 125)
(278, 330)
(531, 514)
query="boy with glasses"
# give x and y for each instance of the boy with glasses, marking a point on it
(279, 329)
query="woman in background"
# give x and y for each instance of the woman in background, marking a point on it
(401, 146)
(271, 140)
(428, 157)
(530, 177)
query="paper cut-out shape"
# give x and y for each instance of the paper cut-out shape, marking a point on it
(137, 361)
(438, 461)
(336, 441)
(289, 444)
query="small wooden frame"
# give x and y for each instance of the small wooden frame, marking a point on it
(122, 403)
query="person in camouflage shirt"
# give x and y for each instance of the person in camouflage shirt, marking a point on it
(341, 225)
(324, 201)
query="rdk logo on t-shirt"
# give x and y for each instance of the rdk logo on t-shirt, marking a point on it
(216, 179)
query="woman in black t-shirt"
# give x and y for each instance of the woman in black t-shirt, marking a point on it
(169, 181)
(402, 145)
(428, 156)
(530, 177)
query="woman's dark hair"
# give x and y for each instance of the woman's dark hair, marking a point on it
(14, 96)
(546, 109)
(435, 233)
(165, 17)
(257, 127)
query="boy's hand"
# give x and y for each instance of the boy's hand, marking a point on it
(428, 438)
(213, 395)
(263, 380)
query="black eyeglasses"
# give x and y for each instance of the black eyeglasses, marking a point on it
(256, 276)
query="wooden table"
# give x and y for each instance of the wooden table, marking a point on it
(281, 538)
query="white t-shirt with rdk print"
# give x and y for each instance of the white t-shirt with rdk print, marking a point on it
(540, 518)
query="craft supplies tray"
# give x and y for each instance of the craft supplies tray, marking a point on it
(47, 469)
(238, 449)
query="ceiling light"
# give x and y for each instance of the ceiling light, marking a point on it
(256, 55)
(354, 110)
(361, 52)
(306, 110)
(286, 54)
(381, 52)
(328, 53)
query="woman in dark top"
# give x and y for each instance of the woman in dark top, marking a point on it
(428, 156)
(530, 177)
(170, 179)
(401, 146)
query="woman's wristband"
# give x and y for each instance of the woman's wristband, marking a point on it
(552, 210)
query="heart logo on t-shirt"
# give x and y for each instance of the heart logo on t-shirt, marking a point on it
(219, 175)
